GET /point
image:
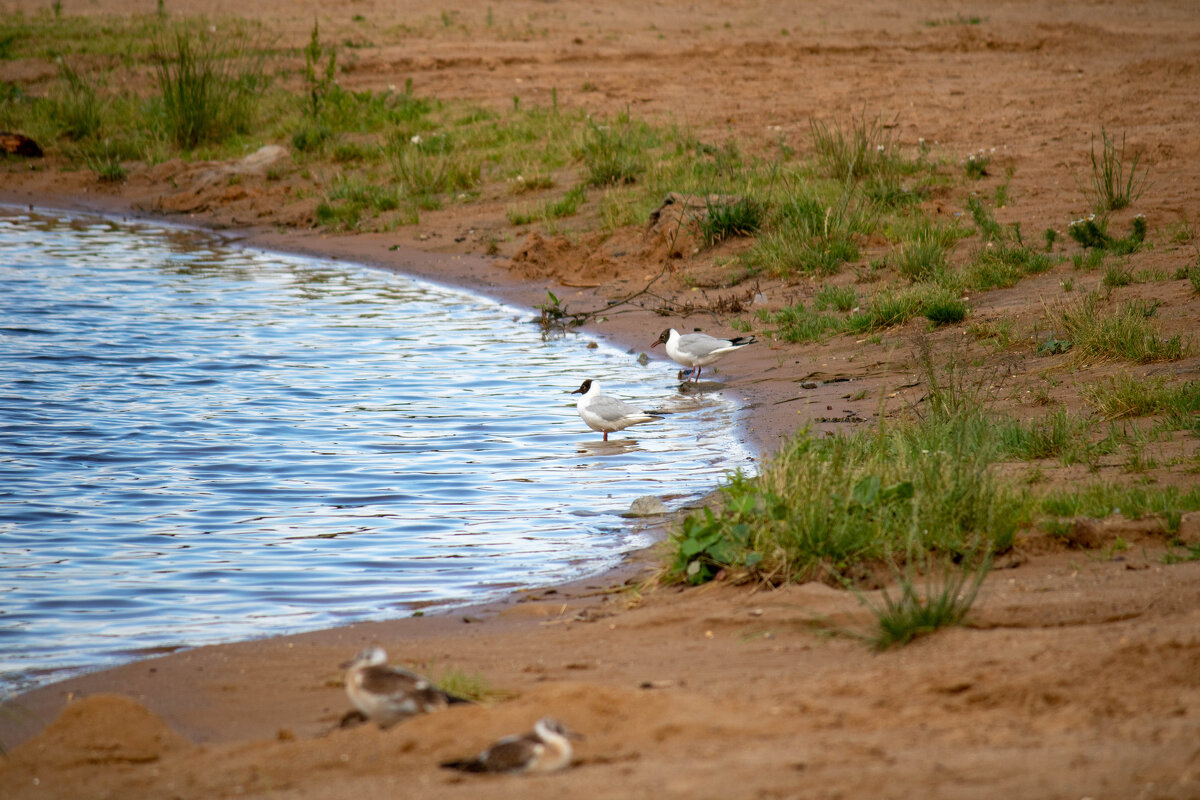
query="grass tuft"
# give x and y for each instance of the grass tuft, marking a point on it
(1112, 187)
(850, 156)
(842, 298)
(206, 90)
(725, 220)
(949, 592)
(943, 307)
(616, 154)
(1126, 334)
(1125, 395)
(1090, 233)
(77, 107)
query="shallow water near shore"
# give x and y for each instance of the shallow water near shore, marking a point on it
(203, 443)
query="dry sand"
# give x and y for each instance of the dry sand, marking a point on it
(1079, 675)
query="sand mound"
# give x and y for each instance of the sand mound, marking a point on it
(101, 729)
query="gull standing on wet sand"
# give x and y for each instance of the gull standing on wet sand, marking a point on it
(389, 694)
(698, 350)
(607, 414)
(545, 749)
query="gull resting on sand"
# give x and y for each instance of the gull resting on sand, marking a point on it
(544, 749)
(388, 694)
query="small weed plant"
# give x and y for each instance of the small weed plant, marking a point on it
(976, 165)
(318, 80)
(942, 599)
(1115, 179)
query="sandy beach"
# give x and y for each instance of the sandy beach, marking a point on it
(1078, 673)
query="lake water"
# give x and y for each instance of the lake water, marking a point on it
(201, 443)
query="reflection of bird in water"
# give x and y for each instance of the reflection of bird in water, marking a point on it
(544, 749)
(607, 414)
(389, 694)
(698, 350)
(607, 448)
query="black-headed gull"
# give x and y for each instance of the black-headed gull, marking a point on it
(607, 414)
(544, 749)
(697, 350)
(389, 694)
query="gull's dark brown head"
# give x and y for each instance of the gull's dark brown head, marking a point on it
(662, 338)
(584, 387)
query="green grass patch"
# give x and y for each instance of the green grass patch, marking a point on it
(864, 150)
(998, 266)
(1125, 334)
(975, 165)
(1094, 234)
(616, 153)
(841, 298)
(207, 88)
(105, 162)
(814, 231)
(999, 332)
(886, 309)
(431, 166)
(722, 221)
(1088, 260)
(1123, 396)
(941, 306)
(471, 686)
(923, 255)
(350, 197)
(1059, 435)
(1099, 500)
(77, 107)
(922, 483)
(826, 504)
(799, 323)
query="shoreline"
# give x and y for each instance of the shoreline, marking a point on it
(464, 271)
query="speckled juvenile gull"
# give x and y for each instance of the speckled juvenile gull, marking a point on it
(388, 694)
(544, 749)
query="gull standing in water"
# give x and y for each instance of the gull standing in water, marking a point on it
(388, 694)
(545, 749)
(698, 350)
(607, 414)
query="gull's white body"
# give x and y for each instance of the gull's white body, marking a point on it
(698, 350)
(607, 414)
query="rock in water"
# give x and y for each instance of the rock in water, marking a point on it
(648, 506)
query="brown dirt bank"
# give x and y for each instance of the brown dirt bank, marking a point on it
(1080, 673)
